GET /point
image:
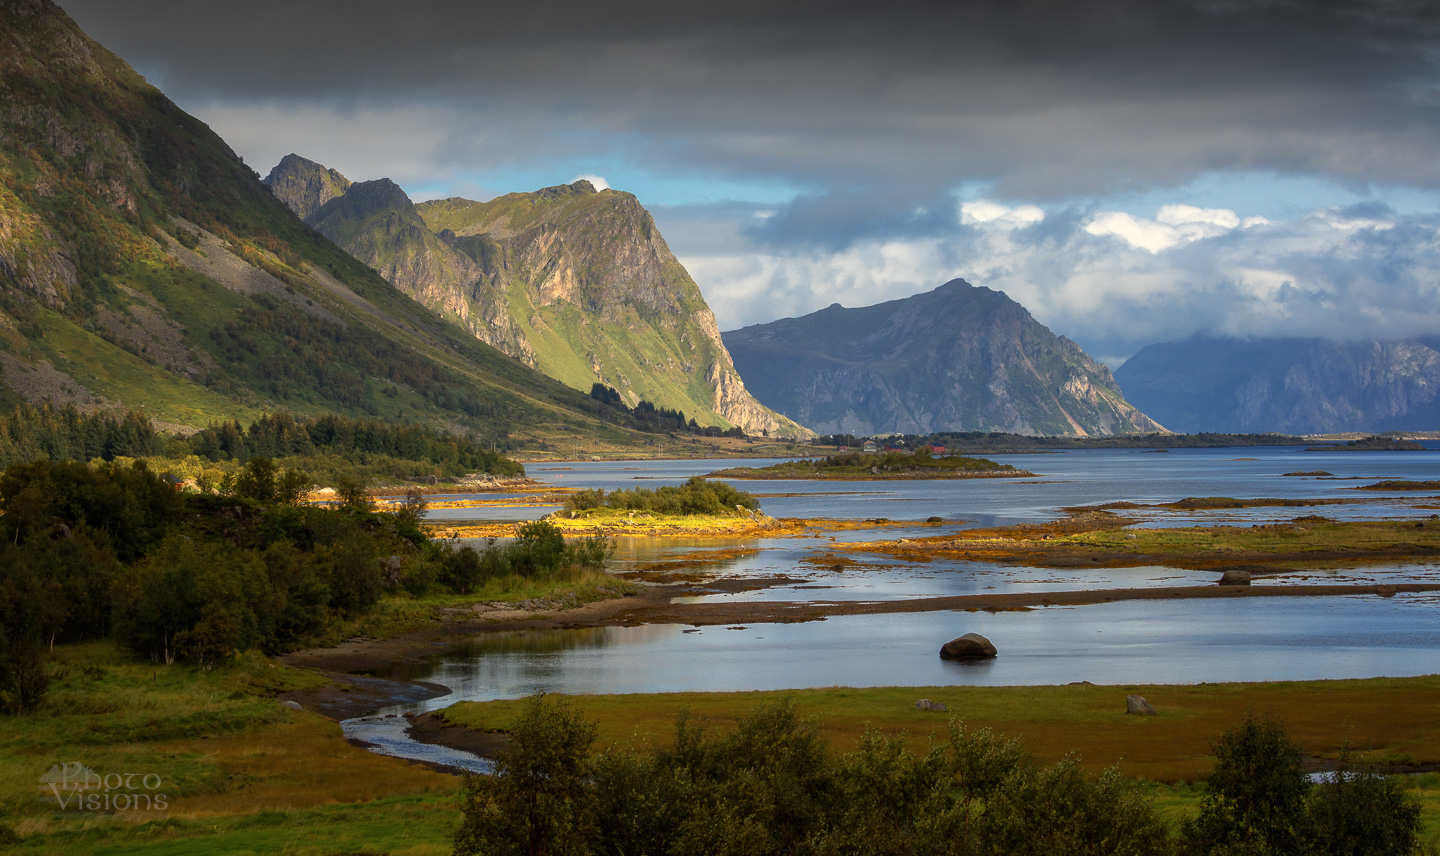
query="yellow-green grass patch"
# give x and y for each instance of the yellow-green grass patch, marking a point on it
(1390, 720)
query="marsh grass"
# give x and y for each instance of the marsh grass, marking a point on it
(241, 773)
(1302, 537)
(1386, 720)
(399, 613)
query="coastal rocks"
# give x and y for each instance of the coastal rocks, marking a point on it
(971, 646)
(1235, 578)
(1137, 706)
(932, 706)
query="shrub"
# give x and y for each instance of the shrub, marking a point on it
(1259, 800)
(1255, 797)
(696, 496)
(1358, 812)
(538, 800)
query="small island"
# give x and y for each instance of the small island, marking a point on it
(697, 507)
(1370, 444)
(878, 466)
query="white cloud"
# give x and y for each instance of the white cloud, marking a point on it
(1135, 231)
(1330, 272)
(985, 211)
(597, 180)
(1181, 215)
(1173, 226)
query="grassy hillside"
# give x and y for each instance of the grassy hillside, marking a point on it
(144, 265)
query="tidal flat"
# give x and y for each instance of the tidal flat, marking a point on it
(1331, 635)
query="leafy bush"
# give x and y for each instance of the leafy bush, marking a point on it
(774, 786)
(1258, 800)
(695, 497)
(539, 550)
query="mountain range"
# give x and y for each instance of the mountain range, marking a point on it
(959, 358)
(1289, 385)
(575, 282)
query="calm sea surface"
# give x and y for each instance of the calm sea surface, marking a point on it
(1130, 642)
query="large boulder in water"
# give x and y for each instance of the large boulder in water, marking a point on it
(1235, 578)
(971, 646)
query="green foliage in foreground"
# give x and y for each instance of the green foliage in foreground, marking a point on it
(114, 552)
(1259, 801)
(773, 786)
(695, 496)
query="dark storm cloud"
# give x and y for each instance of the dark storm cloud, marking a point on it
(1046, 99)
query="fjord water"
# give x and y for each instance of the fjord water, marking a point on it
(1132, 642)
(1062, 479)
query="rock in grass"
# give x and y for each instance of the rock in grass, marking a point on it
(1235, 578)
(1138, 706)
(971, 646)
(934, 706)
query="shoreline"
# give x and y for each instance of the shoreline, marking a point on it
(363, 662)
(377, 661)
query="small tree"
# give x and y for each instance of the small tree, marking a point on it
(538, 801)
(1358, 812)
(1255, 799)
(354, 493)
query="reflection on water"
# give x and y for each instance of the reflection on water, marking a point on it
(1162, 641)
(1131, 642)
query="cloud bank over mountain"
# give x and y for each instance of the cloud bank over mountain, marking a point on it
(1112, 281)
(1099, 161)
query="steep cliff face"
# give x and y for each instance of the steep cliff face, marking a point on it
(1293, 386)
(958, 358)
(576, 283)
(143, 265)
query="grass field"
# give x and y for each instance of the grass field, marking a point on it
(1385, 720)
(244, 774)
(240, 772)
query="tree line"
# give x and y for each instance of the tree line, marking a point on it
(645, 416)
(112, 550)
(65, 434)
(774, 786)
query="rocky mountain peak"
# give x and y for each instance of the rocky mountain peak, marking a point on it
(304, 185)
(958, 358)
(573, 281)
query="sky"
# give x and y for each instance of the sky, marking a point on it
(1131, 171)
